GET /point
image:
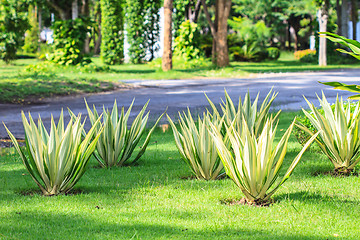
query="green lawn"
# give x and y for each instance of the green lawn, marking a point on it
(152, 201)
(21, 83)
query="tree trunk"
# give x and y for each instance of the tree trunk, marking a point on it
(354, 18)
(338, 13)
(222, 53)
(193, 15)
(167, 51)
(74, 10)
(323, 16)
(345, 18)
(64, 15)
(213, 49)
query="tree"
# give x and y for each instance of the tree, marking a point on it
(323, 16)
(167, 51)
(142, 28)
(152, 27)
(219, 31)
(112, 31)
(32, 34)
(63, 7)
(13, 24)
(354, 17)
(185, 10)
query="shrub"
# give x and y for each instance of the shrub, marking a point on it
(57, 160)
(142, 29)
(196, 146)
(254, 162)
(69, 37)
(273, 53)
(112, 31)
(339, 133)
(32, 35)
(303, 53)
(186, 44)
(117, 143)
(13, 24)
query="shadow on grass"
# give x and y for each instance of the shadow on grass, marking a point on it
(131, 71)
(30, 224)
(311, 197)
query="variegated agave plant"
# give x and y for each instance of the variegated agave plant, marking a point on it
(254, 163)
(196, 146)
(339, 139)
(255, 118)
(57, 160)
(117, 143)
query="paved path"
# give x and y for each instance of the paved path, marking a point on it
(178, 94)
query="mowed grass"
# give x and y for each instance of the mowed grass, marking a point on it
(153, 201)
(20, 83)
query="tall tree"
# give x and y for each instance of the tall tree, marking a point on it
(167, 51)
(323, 16)
(13, 24)
(135, 30)
(354, 17)
(112, 31)
(142, 28)
(344, 21)
(219, 31)
(185, 10)
(152, 27)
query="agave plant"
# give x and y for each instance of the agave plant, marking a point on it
(196, 146)
(255, 119)
(117, 143)
(340, 132)
(254, 163)
(56, 160)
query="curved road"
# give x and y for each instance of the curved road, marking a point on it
(179, 94)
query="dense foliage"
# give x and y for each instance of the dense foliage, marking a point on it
(32, 34)
(186, 44)
(196, 146)
(69, 37)
(56, 160)
(112, 30)
(142, 29)
(13, 24)
(339, 132)
(117, 143)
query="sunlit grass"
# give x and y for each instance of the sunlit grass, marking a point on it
(151, 201)
(18, 85)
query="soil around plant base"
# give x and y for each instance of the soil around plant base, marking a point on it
(243, 201)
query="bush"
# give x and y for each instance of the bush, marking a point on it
(186, 45)
(301, 135)
(339, 133)
(69, 37)
(254, 162)
(196, 146)
(56, 160)
(302, 53)
(32, 35)
(112, 31)
(248, 53)
(117, 143)
(273, 53)
(13, 24)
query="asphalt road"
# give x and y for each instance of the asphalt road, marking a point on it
(177, 95)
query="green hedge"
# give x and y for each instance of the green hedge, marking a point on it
(112, 31)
